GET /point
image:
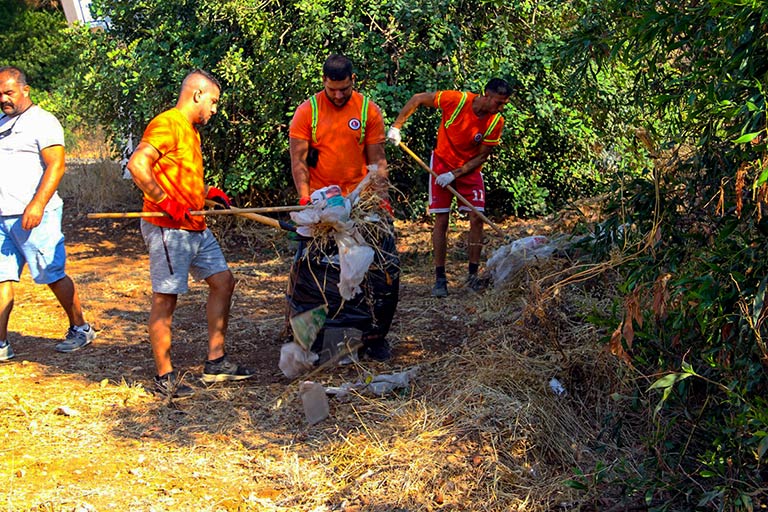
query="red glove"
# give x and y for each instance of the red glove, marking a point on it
(304, 201)
(217, 195)
(175, 209)
(387, 206)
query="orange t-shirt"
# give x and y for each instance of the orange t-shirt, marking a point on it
(179, 170)
(341, 158)
(461, 141)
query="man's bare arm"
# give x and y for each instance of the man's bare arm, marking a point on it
(299, 149)
(140, 166)
(53, 159)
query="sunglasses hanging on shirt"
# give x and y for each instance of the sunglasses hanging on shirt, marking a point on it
(5, 133)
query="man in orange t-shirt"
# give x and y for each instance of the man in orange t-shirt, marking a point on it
(332, 138)
(470, 128)
(336, 137)
(168, 167)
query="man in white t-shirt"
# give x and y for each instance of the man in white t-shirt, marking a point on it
(31, 166)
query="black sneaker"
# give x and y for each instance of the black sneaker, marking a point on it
(170, 386)
(225, 370)
(441, 287)
(379, 351)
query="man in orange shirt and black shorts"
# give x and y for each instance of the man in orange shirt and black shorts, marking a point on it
(336, 136)
(470, 128)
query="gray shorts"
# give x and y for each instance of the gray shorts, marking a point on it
(175, 253)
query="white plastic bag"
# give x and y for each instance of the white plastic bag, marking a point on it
(294, 360)
(354, 258)
(508, 259)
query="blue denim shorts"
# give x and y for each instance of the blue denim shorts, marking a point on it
(174, 254)
(42, 248)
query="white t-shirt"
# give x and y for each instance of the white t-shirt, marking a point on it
(21, 162)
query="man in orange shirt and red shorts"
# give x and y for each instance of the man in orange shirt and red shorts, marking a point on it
(470, 128)
(336, 136)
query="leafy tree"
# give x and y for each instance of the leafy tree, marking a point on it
(697, 284)
(269, 55)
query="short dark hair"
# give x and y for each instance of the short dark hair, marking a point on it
(17, 74)
(498, 86)
(205, 74)
(337, 67)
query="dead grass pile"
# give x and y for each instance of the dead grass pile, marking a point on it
(98, 186)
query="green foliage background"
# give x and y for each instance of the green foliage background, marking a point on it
(659, 105)
(269, 55)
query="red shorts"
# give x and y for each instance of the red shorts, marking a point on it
(471, 186)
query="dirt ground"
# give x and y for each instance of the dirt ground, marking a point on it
(79, 431)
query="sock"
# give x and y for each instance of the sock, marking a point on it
(83, 328)
(473, 267)
(217, 360)
(440, 272)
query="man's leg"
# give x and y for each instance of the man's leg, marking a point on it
(6, 305)
(221, 287)
(439, 238)
(160, 318)
(66, 293)
(439, 250)
(475, 237)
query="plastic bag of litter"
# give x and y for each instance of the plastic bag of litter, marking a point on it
(354, 258)
(508, 259)
(294, 360)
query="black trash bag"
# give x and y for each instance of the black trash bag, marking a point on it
(314, 281)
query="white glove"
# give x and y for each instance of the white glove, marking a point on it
(393, 136)
(445, 179)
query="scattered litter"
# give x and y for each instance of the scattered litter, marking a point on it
(315, 401)
(63, 410)
(556, 387)
(377, 385)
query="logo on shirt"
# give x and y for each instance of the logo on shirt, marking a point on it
(478, 137)
(354, 123)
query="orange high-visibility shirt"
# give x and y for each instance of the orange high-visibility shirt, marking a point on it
(341, 158)
(461, 140)
(179, 170)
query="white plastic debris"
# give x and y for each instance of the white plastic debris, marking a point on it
(556, 387)
(508, 259)
(294, 360)
(378, 385)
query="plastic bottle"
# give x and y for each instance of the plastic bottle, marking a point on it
(315, 401)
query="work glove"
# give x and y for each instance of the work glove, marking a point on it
(445, 179)
(304, 201)
(218, 196)
(175, 209)
(393, 136)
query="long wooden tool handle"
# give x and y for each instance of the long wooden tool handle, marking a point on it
(248, 213)
(453, 191)
(231, 211)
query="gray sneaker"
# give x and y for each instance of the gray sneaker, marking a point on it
(225, 370)
(441, 287)
(6, 352)
(76, 339)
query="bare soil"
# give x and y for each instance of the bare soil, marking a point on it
(80, 431)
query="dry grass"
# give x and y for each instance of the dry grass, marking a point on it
(478, 431)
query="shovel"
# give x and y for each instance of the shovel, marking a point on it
(453, 191)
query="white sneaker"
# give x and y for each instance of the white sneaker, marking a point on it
(76, 339)
(6, 352)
